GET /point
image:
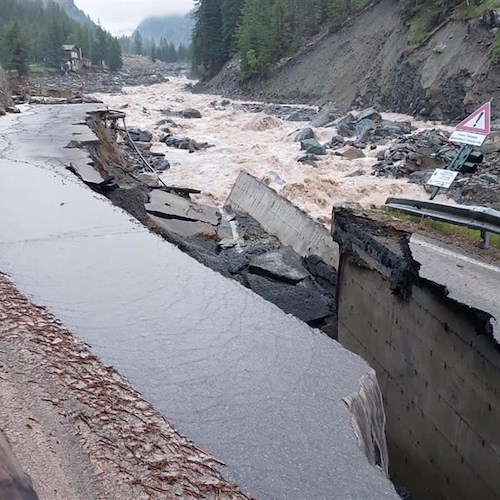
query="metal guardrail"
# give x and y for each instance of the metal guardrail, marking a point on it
(483, 219)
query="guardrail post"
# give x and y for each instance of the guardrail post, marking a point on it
(485, 236)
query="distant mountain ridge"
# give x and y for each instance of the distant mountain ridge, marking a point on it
(176, 29)
(71, 10)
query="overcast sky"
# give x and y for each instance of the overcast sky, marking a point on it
(122, 16)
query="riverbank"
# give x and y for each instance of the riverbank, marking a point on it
(78, 428)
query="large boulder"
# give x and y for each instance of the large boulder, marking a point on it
(138, 135)
(326, 115)
(369, 114)
(304, 134)
(312, 146)
(190, 113)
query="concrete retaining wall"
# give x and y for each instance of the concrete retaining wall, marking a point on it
(281, 218)
(439, 375)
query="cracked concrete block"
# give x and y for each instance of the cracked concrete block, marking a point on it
(282, 265)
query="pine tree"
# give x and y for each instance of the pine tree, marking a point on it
(208, 54)
(138, 43)
(255, 38)
(14, 53)
(114, 55)
(153, 51)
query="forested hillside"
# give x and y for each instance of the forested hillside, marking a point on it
(31, 32)
(157, 49)
(262, 32)
(71, 10)
(434, 59)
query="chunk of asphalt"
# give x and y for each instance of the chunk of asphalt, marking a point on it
(305, 300)
(282, 264)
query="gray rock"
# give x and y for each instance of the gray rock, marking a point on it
(492, 18)
(336, 141)
(346, 130)
(160, 164)
(293, 117)
(191, 113)
(492, 143)
(304, 134)
(364, 127)
(138, 135)
(343, 120)
(309, 159)
(439, 48)
(325, 116)
(356, 173)
(312, 146)
(371, 114)
(350, 153)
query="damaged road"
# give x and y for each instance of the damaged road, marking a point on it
(237, 375)
(228, 241)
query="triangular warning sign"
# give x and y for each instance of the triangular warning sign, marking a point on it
(478, 122)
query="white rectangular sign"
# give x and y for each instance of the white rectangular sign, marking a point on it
(467, 138)
(442, 178)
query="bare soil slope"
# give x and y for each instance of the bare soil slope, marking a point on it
(369, 61)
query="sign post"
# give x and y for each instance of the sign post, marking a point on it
(471, 131)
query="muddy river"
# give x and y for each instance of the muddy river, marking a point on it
(258, 143)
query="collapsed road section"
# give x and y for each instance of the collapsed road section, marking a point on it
(435, 350)
(257, 388)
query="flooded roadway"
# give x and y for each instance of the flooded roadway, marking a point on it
(255, 387)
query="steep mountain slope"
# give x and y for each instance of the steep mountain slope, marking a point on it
(71, 9)
(175, 29)
(369, 61)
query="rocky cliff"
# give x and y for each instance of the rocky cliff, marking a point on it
(371, 62)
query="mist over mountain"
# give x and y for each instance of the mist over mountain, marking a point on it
(176, 29)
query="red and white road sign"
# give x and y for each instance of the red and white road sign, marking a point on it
(474, 129)
(478, 122)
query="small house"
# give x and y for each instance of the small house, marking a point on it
(73, 60)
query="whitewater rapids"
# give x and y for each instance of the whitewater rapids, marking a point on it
(257, 143)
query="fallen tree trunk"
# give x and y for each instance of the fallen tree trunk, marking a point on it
(14, 483)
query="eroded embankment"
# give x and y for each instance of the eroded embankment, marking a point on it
(437, 363)
(235, 241)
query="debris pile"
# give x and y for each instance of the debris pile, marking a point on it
(416, 155)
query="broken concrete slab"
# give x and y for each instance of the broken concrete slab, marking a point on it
(186, 228)
(171, 206)
(283, 265)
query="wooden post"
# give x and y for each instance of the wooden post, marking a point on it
(14, 483)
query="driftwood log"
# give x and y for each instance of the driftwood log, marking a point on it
(14, 483)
